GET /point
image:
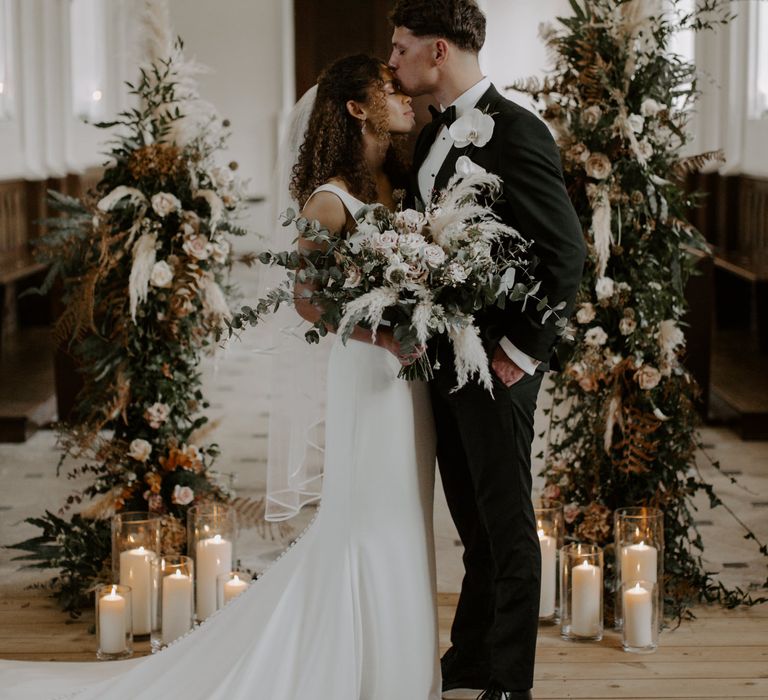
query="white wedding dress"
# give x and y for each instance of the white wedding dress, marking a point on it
(349, 611)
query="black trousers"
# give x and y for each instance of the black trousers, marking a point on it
(484, 456)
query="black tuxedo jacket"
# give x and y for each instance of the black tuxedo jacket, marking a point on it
(535, 202)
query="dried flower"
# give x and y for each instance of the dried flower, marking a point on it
(595, 337)
(585, 313)
(604, 288)
(627, 325)
(590, 117)
(647, 377)
(650, 107)
(596, 526)
(598, 166)
(157, 414)
(165, 203)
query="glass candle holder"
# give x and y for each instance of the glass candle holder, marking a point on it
(581, 586)
(113, 622)
(639, 547)
(231, 585)
(550, 528)
(640, 630)
(211, 535)
(135, 544)
(173, 602)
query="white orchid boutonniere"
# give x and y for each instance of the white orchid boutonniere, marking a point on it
(474, 128)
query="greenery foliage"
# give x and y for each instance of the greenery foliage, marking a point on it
(623, 427)
(143, 265)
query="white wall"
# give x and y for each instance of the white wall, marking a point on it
(242, 42)
(513, 48)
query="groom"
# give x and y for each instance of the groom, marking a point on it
(484, 442)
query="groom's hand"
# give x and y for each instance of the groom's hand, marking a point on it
(505, 369)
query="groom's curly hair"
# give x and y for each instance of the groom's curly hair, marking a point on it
(333, 143)
(460, 21)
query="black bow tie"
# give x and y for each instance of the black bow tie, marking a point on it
(444, 118)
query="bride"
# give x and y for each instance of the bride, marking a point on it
(349, 612)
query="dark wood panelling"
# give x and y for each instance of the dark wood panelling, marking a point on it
(331, 29)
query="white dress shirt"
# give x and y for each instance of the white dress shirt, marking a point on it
(426, 178)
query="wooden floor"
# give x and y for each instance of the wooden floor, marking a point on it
(722, 654)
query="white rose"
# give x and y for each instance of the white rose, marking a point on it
(585, 314)
(182, 495)
(222, 177)
(161, 275)
(465, 167)
(604, 288)
(598, 166)
(595, 337)
(636, 122)
(455, 273)
(475, 128)
(354, 277)
(645, 149)
(650, 108)
(647, 377)
(434, 255)
(397, 272)
(198, 247)
(157, 414)
(411, 244)
(385, 242)
(410, 220)
(627, 325)
(220, 250)
(590, 117)
(165, 203)
(139, 450)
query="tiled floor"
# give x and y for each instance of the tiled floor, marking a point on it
(235, 383)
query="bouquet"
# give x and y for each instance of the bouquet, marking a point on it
(423, 273)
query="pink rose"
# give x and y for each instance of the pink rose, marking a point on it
(182, 495)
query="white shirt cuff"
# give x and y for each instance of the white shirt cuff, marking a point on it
(523, 361)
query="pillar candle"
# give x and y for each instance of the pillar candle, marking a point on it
(177, 606)
(638, 563)
(638, 617)
(136, 572)
(548, 575)
(233, 588)
(112, 623)
(585, 599)
(213, 556)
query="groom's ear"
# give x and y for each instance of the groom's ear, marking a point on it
(440, 51)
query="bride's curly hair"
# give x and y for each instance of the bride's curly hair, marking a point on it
(333, 143)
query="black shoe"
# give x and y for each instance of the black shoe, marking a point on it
(494, 694)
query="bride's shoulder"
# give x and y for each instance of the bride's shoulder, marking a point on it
(327, 208)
